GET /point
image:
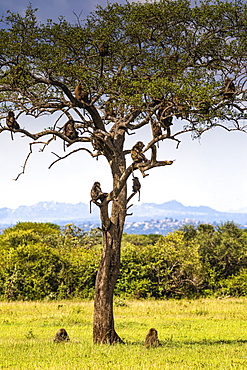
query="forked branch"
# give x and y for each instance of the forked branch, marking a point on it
(27, 158)
(67, 155)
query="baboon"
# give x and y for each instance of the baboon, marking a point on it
(81, 94)
(69, 130)
(103, 49)
(229, 89)
(152, 339)
(136, 186)
(138, 157)
(12, 123)
(97, 146)
(109, 111)
(136, 153)
(156, 129)
(164, 114)
(61, 336)
(102, 140)
(165, 118)
(97, 195)
(103, 52)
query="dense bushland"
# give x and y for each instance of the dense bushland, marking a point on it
(41, 261)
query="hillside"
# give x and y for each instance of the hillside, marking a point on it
(147, 217)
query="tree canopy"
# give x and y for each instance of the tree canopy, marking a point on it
(131, 59)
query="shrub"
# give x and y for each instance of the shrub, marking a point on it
(30, 272)
(235, 286)
(170, 268)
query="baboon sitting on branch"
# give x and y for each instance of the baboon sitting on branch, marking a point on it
(69, 130)
(138, 157)
(229, 90)
(81, 94)
(12, 123)
(97, 195)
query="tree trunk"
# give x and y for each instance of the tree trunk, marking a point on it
(112, 229)
(103, 330)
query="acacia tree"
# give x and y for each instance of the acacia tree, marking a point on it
(135, 65)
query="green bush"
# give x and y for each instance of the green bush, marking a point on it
(169, 268)
(30, 272)
(40, 261)
(235, 286)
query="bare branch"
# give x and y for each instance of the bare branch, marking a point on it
(161, 138)
(67, 155)
(26, 160)
(47, 143)
(130, 197)
(47, 132)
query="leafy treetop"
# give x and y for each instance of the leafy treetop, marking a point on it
(131, 60)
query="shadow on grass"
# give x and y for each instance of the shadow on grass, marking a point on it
(204, 342)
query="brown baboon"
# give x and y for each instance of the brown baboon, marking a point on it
(12, 123)
(97, 194)
(164, 114)
(103, 49)
(109, 110)
(69, 130)
(97, 146)
(152, 339)
(136, 186)
(229, 89)
(165, 118)
(61, 336)
(156, 129)
(136, 153)
(103, 52)
(81, 94)
(138, 157)
(102, 140)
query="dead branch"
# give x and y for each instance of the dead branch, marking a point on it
(47, 132)
(67, 155)
(161, 138)
(130, 197)
(26, 160)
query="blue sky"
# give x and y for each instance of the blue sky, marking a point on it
(209, 172)
(52, 9)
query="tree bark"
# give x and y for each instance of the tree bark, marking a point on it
(112, 229)
(104, 330)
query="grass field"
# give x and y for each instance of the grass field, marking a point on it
(199, 334)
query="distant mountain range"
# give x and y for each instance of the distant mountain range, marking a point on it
(146, 218)
(178, 211)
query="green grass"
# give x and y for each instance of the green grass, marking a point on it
(200, 334)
